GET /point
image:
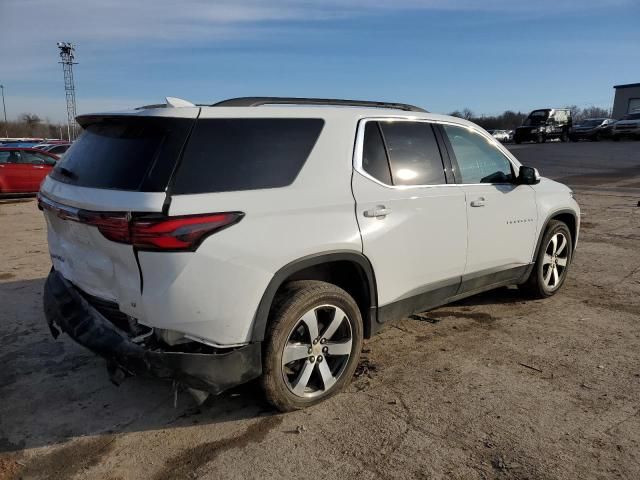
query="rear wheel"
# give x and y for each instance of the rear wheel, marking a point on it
(564, 137)
(540, 138)
(552, 261)
(312, 346)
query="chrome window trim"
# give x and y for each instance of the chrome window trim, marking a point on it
(357, 157)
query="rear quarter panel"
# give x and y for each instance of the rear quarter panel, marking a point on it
(213, 293)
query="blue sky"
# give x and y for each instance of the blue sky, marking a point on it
(443, 55)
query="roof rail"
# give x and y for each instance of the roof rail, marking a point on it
(257, 101)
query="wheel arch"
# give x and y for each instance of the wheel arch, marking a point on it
(567, 216)
(349, 270)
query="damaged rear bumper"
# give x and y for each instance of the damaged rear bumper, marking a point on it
(66, 309)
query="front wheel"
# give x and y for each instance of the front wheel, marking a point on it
(552, 262)
(312, 346)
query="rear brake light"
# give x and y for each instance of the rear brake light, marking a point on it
(114, 227)
(184, 233)
(179, 233)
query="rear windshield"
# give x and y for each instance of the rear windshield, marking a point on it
(136, 154)
(245, 154)
(537, 117)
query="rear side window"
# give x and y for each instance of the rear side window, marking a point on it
(413, 151)
(245, 154)
(120, 153)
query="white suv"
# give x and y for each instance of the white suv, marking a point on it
(267, 237)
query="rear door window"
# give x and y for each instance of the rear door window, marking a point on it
(413, 152)
(123, 153)
(234, 154)
(374, 155)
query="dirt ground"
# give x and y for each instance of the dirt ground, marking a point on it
(496, 386)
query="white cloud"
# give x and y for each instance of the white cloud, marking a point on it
(29, 29)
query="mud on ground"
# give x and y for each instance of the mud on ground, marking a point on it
(496, 386)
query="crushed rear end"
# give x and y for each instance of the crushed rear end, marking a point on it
(105, 205)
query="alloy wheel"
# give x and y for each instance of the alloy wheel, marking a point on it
(317, 351)
(555, 260)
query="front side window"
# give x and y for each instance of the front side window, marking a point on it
(4, 156)
(479, 161)
(413, 152)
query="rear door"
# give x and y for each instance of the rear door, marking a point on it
(118, 168)
(39, 167)
(502, 215)
(413, 224)
(18, 172)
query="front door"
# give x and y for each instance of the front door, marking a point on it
(412, 223)
(502, 215)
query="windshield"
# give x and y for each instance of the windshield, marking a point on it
(537, 117)
(592, 122)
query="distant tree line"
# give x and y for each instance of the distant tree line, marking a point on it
(509, 119)
(30, 125)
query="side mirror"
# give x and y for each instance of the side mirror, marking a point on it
(528, 176)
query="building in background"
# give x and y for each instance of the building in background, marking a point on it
(627, 99)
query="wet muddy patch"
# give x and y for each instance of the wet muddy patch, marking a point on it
(67, 461)
(435, 317)
(185, 463)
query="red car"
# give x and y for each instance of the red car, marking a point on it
(23, 169)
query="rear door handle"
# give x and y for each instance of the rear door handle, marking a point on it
(478, 202)
(380, 211)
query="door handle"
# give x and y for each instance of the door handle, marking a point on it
(380, 211)
(38, 166)
(479, 202)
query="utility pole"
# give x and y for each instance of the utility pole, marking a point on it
(67, 55)
(4, 107)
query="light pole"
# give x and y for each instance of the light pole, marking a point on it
(4, 107)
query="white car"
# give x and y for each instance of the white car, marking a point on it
(267, 237)
(501, 135)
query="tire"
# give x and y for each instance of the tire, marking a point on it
(564, 138)
(615, 138)
(517, 141)
(542, 282)
(573, 139)
(540, 138)
(302, 382)
(596, 137)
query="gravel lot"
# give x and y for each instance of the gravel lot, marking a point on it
(495, 386)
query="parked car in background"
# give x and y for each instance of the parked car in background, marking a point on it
(23, 169)
(57, 149)
(166, 231)
(544, 124)
(500, 135)
(627, 126)
(590, 129)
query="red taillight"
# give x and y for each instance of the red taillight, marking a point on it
(179, 233)
(114, 227)
(165, 233)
